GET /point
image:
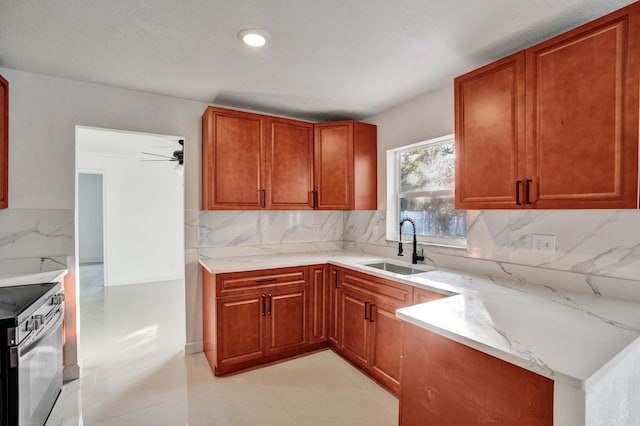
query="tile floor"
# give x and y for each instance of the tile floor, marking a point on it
(134, 372)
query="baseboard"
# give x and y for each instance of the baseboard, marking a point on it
(193, 348)
(70, 372)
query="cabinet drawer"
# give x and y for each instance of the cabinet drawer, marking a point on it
(243, 282)
(392, 294)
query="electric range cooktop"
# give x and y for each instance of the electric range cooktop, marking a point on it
(14, 300)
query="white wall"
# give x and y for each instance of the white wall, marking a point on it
(144, 205)
(90, 230)
(43, 115)
(425, 117)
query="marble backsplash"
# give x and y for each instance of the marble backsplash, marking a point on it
(29, 233)
(254, 228)
(591, 242)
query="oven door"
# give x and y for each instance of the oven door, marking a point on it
(39, 364)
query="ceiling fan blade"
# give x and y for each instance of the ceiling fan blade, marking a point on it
(158, 155)
(172, 159)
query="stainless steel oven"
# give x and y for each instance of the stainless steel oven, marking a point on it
(32, 352)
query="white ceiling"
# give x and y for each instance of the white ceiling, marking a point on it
(327, 59)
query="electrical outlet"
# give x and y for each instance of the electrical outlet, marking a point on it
(543, 244)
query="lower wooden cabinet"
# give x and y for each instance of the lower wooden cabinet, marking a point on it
(334, 306)
(370, 333)
(447, 383)
(251, 318)
(319, 301)
(254, 317)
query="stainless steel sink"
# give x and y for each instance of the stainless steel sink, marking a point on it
(396, 269)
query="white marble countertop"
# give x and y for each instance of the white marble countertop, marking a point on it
(31, 271)
(574, 338)
(32, 278)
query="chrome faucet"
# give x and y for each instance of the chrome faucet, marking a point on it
(414, 256)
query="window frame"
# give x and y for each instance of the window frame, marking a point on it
(394, 195)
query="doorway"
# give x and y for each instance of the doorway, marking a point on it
(130, 235)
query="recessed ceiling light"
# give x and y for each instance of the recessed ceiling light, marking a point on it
(253, 37)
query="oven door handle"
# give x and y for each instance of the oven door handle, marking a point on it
(20, 351)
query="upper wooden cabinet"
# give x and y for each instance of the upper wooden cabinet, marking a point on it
(555, 126)
(490, 134)
(254, 161)
(233, 152)
(289, 164)
(4, 143)
(346, 166)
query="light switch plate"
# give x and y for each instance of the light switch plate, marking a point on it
(543, 244)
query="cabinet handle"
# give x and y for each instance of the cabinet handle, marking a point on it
(337, 272)
(264, 303)
(315, 199)
(264, 198)
(518, 183)
(266, 280)
(371, 312)
(527, 192)
(270, 303)
(366, 305)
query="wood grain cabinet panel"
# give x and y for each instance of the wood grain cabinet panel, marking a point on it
(565, 139)
(233, 146)
(289, 165)
(370, 333)
(251, 318)
(354, 327)
(287, 326)
(4, 143)
(582, 107)
(345, 166)
(447, 383)
(319, 304)
(490, 134)
(335, 312)
(241, 333)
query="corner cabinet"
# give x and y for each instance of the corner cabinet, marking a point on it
(346, 166)
(4, 143)
(254, 162)
(554, 126)
(370, 333)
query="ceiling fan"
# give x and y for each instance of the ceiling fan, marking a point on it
(178, 156)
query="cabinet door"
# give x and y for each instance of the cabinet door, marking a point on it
(335, 319)
(4, 143)
(286, 317)
(355, 326)
(582, 107)
(232, 160)
(386, 346)
(490, 135)
(318, 304)
(240, 331)
(289, 164)
(334, 165)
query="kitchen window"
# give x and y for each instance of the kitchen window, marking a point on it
(421, 185)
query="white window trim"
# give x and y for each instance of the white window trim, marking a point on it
(393, 221)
